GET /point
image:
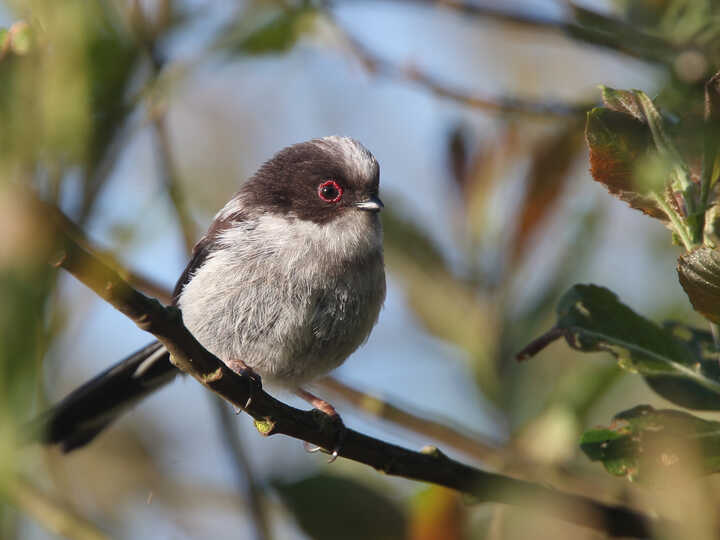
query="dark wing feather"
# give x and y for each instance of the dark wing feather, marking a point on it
(204, 248)
(92, 407)
(200, 254)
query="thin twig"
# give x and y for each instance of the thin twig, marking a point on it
(140, 281)
(472, 444)
(49, 513)
(274, 417)
(167, 165)
(171, 180)
(586, 26)
(478, 9)
(499, 105)
(534, 347)
(96, 177)
(246, 478)
(460, 438)
(505, 458)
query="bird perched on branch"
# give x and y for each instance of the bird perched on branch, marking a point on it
(287, 282)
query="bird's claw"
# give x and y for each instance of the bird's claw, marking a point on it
(311, 448)
(342, 432)
(256, 386)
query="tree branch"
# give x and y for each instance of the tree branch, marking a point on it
(274, 417)
(472, 444)
(586, 26)
(148, 37)
(499, 105)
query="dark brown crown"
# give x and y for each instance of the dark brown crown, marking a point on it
(288, 183)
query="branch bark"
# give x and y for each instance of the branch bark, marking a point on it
(274, 417)
(460, 438)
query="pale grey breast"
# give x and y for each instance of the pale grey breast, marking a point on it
(290, 298)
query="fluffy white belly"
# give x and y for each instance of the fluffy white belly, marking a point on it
(289, 298)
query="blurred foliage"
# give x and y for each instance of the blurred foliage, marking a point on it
(75, 77)
(66, 74)
(549, 171)
(327, 507)
(437, 512)
(592, 319)
(447, 306)
(644, 437)
(679, 362)
(276, 35)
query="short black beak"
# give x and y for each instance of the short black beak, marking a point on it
(373, 204)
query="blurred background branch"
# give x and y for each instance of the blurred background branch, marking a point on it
(245, 476)
(376, 65)
(581, 23)
(53, 516)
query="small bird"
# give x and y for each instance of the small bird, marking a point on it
(287, 282)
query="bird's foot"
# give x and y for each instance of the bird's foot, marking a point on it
(318, 403)
(241, 368)
(333, 416)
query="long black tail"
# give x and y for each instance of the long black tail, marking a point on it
(84, 413)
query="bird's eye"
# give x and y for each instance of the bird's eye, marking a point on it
(330, 191)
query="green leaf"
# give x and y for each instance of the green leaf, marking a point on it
(324, 504)
(592, 319)
(699, 274)
(278, 34)
(643, 439)
(711, 137)
(667, 149)
(704, 350)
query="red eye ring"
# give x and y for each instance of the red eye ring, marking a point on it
(330, 191)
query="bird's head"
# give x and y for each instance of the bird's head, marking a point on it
(321, 181)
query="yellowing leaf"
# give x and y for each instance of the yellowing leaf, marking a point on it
(617, 142)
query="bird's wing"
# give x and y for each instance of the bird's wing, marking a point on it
(205, 246)
(199, 255)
